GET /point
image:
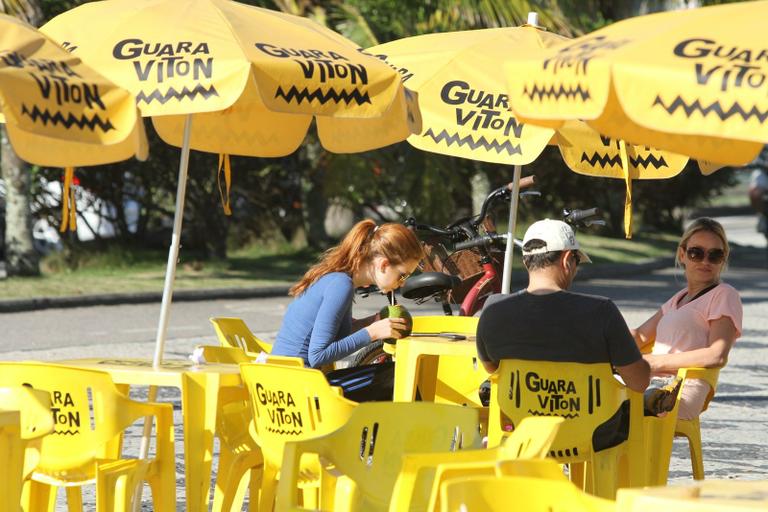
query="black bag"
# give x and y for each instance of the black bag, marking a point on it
(368, 383)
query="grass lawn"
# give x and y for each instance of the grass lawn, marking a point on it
(145, 272)
(119, 271)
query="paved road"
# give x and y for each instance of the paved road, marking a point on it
(733, 429)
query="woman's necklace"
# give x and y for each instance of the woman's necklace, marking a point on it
(685, 299)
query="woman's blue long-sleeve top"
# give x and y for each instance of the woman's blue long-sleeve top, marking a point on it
(317, 324)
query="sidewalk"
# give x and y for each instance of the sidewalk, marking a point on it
(519, 279)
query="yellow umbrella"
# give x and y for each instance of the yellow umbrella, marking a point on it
(465, 109)
(693, 81)
(253, 78)
(58, 111)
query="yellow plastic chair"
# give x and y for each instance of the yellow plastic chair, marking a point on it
(232, 355)
(490, 494)
(367, 450)
(531, 440)
(25, 417)
(89, 415)
(233, 332)
(237, 449)
(659, 432)
(288, 403)
(594, 405)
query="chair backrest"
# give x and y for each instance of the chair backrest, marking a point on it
(488, 494)
(593, 403)
(232, 355)
(87, 412)
(369, 448)
(291, 403)
(233, 332)
(443, 323)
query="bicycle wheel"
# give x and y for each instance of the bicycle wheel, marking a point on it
(372, 354)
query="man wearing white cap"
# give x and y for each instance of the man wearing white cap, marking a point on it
(545, 322)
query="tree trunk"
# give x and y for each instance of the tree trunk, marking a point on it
(20, 255)
(481, 187)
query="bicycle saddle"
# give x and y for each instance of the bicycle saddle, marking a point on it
(427, 284)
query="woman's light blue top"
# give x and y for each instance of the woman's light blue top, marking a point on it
(317, 324)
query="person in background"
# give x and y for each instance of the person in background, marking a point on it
(546, 322)
(318, 325)
(698, 326)
(758, 192)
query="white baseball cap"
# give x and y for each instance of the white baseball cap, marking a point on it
(556, 235)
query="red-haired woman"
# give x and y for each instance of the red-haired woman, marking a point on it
(318, 325)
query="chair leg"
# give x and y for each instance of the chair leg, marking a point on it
(604, 469)
(232, 492)
(38, 497)
(268, 489)
(74, 499)
(254, 490)
(691, 430)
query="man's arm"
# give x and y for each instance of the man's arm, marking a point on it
(636, 376)
(482, 353)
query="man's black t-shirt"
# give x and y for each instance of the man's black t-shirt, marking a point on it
(561, 327)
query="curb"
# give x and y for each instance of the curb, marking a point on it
(112, 299)
(586, 272)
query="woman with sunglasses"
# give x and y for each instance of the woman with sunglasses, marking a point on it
(318, 325)
(696, 327)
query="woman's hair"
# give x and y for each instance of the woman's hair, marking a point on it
(365, 241)
(704, 224)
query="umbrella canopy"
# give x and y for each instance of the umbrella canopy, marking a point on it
(57, 110)
(260, 76)
(228, 78)
(465, 109)
(691, 81)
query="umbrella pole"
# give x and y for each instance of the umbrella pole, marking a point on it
(514, 198)
(170, 275)
(173, 252)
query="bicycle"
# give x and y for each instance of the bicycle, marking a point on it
(464, 262)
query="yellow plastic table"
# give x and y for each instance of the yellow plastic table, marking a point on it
(704, 496)
(200, 386)
(416, 364)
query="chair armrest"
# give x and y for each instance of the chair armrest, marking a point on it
(413, 463)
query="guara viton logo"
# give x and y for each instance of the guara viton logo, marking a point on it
(282, 415)
(546, 396)
(156, 62)
(723, 67)
(66, 417)
(339, 79)
(478, 110)
(60, 87)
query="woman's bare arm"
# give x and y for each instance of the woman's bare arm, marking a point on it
(722, 335)
(646, 333)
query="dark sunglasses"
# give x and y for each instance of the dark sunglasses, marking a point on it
(403, 277)
(696, 254)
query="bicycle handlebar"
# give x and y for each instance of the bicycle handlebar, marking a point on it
(579, 216)
(479, 241)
